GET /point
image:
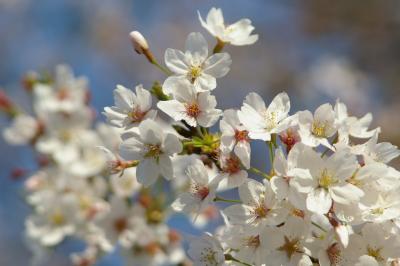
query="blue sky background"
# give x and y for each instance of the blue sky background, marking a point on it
(92, 37)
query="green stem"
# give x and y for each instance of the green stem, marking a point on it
(271, 153)
(226, 200)
(163, 69)
(259, 172)
(229, 257)
(198, 128)
(219, 46)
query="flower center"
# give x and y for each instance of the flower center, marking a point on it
(298, 213)
(136, 115)
(290, 246)
(153, 150)
(120, 225)
(63, 94)
(200, 191)
(207, 256)
(232, 165)
(376, 253)
(319, 129)
(194, 73)
(192, 109)
(261, 211)
(378, 211)
(57, 218)
(242, 135)
(270, 120)
(326, 179)
(253, 241)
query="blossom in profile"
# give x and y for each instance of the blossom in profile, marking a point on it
(201, 190)
(238, 33)
(235, 137)
(130, 108)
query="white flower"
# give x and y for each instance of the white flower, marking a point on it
(125, 185)
(190, 106)
(206, 251)
(120, 222)
(315, 130)
(194, 64)
(329, 179)
(53, 222)
(260, 121)
(130, 108)
(238, 33)
(22, 130)
(235, 137)
(378, 244)
(260, 206)
(332, 252)
(285, 183)
(381, 207)
(232, 175)
(153, 148)
(286, 244)
(351, 125)
(201, 192)
(66, 94)
(379, 152)
(248, 245)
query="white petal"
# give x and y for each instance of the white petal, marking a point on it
(319, 201)
(205, 83)
(242, 151)
(173, 108)
(147, 172)
(165, 165)
(197, 46)
(176, 61)
(250, 192)
(171, 144)
(150, 132)
(124, 98)
(217, 65)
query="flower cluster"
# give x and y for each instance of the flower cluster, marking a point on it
(77, 191)
(329, 197)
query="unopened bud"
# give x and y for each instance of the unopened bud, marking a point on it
(6, 105)
(139, 42)
(29, 80)
(141, 46)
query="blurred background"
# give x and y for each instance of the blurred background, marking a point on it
(316, 51)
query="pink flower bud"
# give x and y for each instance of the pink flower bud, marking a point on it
(139, 42)
(5, 102)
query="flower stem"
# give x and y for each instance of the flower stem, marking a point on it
(199, 131)
(259, 172)
(219, 46)
(226, 200)
(163, 69)
(271, 153)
